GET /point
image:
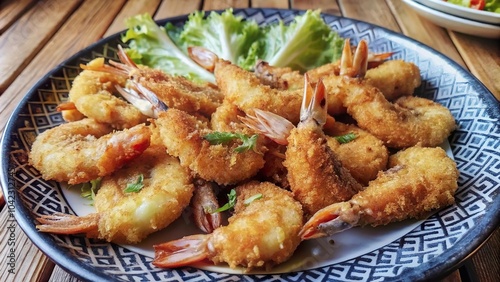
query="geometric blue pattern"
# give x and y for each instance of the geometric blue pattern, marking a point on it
(435, 247)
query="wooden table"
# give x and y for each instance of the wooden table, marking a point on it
(37, 35)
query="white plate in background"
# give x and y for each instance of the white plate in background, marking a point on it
(455, 23)
(464, 12)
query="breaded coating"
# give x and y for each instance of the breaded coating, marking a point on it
(183, 134)
(92, 93)
(394, 78)
(406, 122)
(316, 175)
(363, 157)
(84, 150)
(245, 90)
(178, 92)
(124, 216)
(130, 217)
(263, 232)
(420, 180)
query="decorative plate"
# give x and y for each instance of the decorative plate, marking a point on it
(452, 22)
(410, 250)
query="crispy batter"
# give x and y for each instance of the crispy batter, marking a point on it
(84, 150)
(279, 219)
(316, 175)
(92, 95)
(364, 156)
(420, 180)
(394, 78)
(261, 234)
(183, 134)
(407, 122)
(128, 217)
(246, 91)
(178, 92)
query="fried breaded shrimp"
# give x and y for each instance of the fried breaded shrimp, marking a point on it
(406, 122)
(243, 89)
(364, 156)
(283, 78)
(84, 150)
(394, 78)
(316, 176)
(92, 95)
(263, 232)
(183, 135)
(225, 119)
(128, 217)
(419, 180)
(175, 91)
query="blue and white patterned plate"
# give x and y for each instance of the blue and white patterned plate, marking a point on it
(417, 250)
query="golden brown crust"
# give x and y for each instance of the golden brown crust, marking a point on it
(316, 176)
(261, 234)
(182, 134)
(364, 156)
(420, 180)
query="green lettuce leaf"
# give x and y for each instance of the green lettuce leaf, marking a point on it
(228, 36)
(150, 45)
(305, 43)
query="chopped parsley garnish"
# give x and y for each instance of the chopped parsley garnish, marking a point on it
(346, 138)
(135, 187)
(249, 142)
(230, 204)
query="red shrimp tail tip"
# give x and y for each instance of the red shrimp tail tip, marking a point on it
(60, 223)
(181, 252)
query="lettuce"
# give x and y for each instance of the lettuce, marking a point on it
(226, 35)
(150, 45)
(305, 43)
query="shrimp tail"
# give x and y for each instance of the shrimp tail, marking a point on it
(271, 125)
(203, 57)
(332, 219)
(119, 69)
(357, 65)
(181, 252)
(314, 105)
(61, 223)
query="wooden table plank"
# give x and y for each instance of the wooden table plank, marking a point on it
(171, 8)
(224, 4)
(485, 264)
(30, 260)
(20, 259)
(22, 41)
(327, 6)
(412, 25)
(277, 4)
(378, 13)
(131, 8)
(10, 11)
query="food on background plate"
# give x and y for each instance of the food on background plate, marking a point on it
(206, 150)
(482, 5)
